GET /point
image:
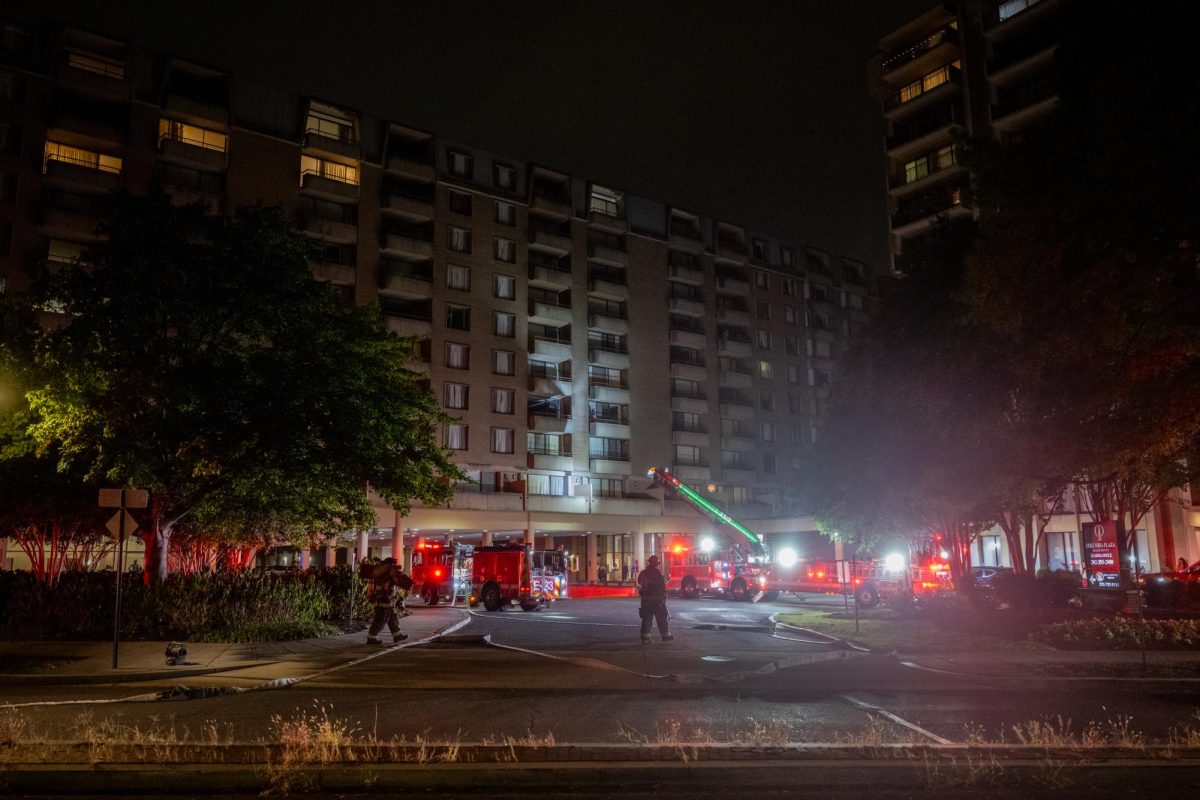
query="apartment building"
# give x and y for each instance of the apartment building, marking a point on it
(982, 70)
(577, 333)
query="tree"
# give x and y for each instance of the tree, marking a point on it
(1088, 264)
(198, 359)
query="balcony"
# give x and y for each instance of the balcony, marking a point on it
(185, 196)
(608, 394)
(556, 244)
(546, 386)
(540, 423)
(918, 214)
(734, 380)
(337, 274)
(743, 476)
(606, 323)
(608, 358)
(548, 277)
(609, 429)
(605, 285)
(549, 314)
(195, 110)
(557, 207)
(410, 168)
(343, 145)
(331, 230)
(608, 255)
(610, 466)
(598, 219)
(692, 244)
(731, 252)
(81, 175)
(550, 349)
(691, 438)
(1018, 109)
(558, 463)
(691, 472)
(691, 372)
(733, 286)
(62, 223)
(689, 308)
(487, 501)
(328, 188)
(411, 208)
(923, 134)
(409, 287)
(689, 405)
(922, 96)
(739, 411)
(408, 326)
(685, 274)
(396, 244)
(922, 57)
(734, 348)
(734, 316)
(739, 443)
(191, 155)
(692, 339)
(923, 176)
(111, 87)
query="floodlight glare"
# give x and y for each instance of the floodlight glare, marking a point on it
(894, 562)
(707, 544)
(787, 557)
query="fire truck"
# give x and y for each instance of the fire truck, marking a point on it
(515, 574)
(869, 582)
(442, 571)
(737, 568)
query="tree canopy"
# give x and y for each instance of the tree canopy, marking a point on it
(197, 358)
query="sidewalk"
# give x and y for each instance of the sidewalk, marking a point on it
(75, 663)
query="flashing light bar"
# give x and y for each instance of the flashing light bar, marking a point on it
(696, 499)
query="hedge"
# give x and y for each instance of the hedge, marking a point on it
(1122, 633)
(257, 605)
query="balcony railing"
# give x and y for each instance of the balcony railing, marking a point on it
(946, 35)
(926, 205)
(1023, 97)
(923, 126)
(944, 77)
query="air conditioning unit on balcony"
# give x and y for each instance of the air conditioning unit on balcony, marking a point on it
(511, 476)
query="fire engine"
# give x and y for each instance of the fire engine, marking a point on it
(442, 571)
(507, 574)
(725, 572)
(869, 581)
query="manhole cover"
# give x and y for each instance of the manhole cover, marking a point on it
(716, 658)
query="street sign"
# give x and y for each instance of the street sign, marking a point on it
(843, 568)
(114, 525)
(133, 498)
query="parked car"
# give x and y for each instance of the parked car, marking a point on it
(1171, 588)
(985, 575)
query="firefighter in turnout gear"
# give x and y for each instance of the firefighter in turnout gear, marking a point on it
(652, 587)
(386, 587)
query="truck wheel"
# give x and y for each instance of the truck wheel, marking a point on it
(688, 589)
(867, 596)
(529, 605)
(490, 597)
(738, 590)
(430, 595)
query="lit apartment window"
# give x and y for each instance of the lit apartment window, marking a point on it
(59, 251)
(332, 123)
(456, 436)
(191, 134)
(461, 164)
(919, 87)
(504, 362)
(458, 277)
(764, 370)
(929, 163)
(506, 250)
(505, 176)
(100, 65)
(504, 287)
(455, 395)
(504, 324)
(502, 440)
(459, 240)
(458, 317)
(605, 201)
(342, 173)
(502, 401)
(458, 356)
(1014, 7)
(553, 485)
(56, 151)
(506, 213)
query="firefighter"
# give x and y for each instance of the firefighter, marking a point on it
(384, 590)
(652, 587)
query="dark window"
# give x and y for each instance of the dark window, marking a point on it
(460, 203)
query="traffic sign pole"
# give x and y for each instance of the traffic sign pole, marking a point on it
(120, 569)
(121, 499)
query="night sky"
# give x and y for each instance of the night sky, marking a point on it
(754, 111)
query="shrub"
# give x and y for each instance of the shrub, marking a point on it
(1173, 594)
(1122, 633)
(216, 606)
(1046, 590)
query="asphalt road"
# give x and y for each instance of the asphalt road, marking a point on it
(577, 672)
